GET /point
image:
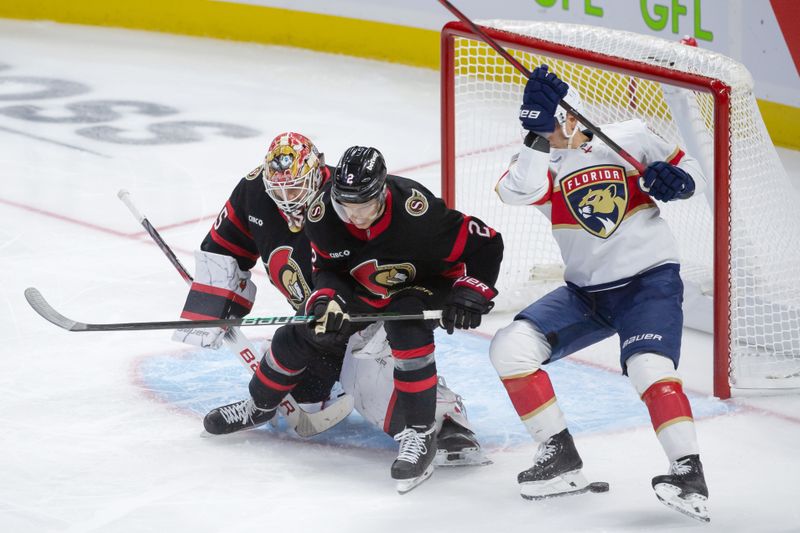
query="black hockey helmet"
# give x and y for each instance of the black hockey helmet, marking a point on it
(360, 176)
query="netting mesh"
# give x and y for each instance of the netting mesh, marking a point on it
(764, 243)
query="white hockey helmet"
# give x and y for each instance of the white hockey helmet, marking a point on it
(574, 99)
(292, 172)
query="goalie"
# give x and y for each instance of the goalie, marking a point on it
(622, 277)
(264, 217)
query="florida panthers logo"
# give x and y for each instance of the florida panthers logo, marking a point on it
(383, 280)
(597, 198)
(286, 275)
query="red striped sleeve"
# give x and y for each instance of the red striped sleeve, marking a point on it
(549, 194)
(234, 249)
(461, 241)
(235, 220)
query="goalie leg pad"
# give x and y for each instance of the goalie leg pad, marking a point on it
(220, 290)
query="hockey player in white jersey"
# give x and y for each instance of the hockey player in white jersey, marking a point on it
(622, 276)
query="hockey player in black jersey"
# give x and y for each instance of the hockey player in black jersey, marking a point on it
(386, 244)
(253, 224)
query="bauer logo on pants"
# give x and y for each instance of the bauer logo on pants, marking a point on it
(597, 197)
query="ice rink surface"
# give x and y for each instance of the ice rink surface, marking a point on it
(103, 432)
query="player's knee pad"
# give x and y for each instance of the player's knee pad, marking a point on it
(518, 348)
(288, 354)
(645, 369)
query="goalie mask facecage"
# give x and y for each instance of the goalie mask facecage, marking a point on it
(292, 172)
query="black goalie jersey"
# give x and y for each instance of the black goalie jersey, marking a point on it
(417, 239)
(250, 226)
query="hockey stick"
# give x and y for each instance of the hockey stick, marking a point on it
(520, 67)
(41, 306)
(304, 423)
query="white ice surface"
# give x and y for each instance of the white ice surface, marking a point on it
(85, 446)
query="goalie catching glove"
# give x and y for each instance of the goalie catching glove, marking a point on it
(467, 302)
(328, 310)
(667, 182)
(220, 290)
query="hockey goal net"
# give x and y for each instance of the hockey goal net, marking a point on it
(739, 244)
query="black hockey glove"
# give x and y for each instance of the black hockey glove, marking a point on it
(467, 302)
(667, 182)
(543, 92)
(328, 310)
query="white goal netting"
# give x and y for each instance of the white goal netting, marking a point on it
(758, 226)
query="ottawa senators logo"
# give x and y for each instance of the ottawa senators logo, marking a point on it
(286, 275)
(383, 280)
(255, 173)
(417, 204)
(597, 197)
(317, 209)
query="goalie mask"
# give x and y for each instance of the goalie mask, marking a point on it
(358, 193)
(292, 174)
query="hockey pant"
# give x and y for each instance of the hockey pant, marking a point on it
(413, 401)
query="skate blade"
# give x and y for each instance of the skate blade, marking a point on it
(568, 484)
(694, 505)
(465, 457)
(405, 485)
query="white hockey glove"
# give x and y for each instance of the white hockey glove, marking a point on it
(220, 290)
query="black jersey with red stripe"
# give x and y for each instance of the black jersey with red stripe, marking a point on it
(417, 238)
(250, 226)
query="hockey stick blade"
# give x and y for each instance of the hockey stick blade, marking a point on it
(595, 486)
(314, 423)
(40, 305)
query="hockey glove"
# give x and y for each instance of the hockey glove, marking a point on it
(666, 182)
(328, 310)
(467, 302)
(543, 92)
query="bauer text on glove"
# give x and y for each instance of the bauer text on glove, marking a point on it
(469, 299)
(543, 92)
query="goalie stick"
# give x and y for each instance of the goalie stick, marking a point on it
(520, 67)
(304, 423)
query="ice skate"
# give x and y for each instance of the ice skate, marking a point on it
(456, 445)
(556, 471)
(684, 488)
(414, 463)
(236, 416)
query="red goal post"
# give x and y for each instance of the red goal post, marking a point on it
(698, 99)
